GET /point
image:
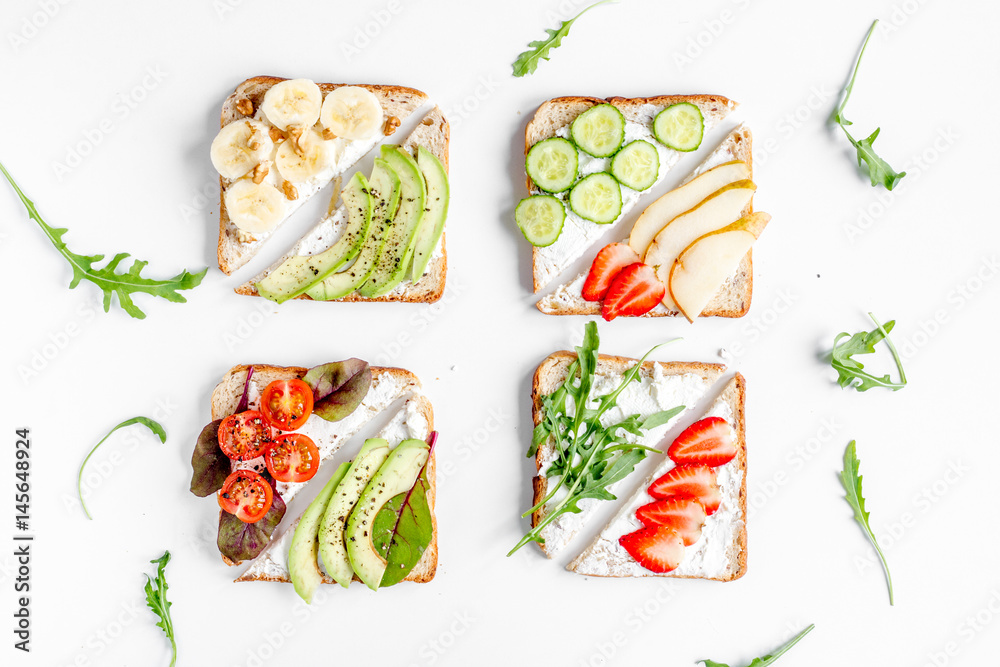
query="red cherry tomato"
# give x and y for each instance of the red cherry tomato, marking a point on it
(245, 435)
(292, 458)
(287, 404)
(247, 495)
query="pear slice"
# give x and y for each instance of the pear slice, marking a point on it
(705, 264)
(658, 214)
(714, 212)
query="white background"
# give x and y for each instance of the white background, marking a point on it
(924, 254)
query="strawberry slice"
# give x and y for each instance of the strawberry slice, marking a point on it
(684, 515)
(696, 482)
(609, 262)
(634, 291)
(709, 442)
(658, 549)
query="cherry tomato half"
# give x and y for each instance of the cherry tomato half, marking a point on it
(247, 495)
(245, 435)
(292, 458)
(287, 404)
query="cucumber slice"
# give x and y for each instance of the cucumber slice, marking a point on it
(599, 131)
(597, 198)
(551, 164)
(680, 126)
(637, 165)
(540, 219)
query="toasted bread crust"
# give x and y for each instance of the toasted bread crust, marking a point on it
(223, 405)
(233, 253)
(552, 371)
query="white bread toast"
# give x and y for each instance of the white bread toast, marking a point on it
(272, 563)
(732, 299)
(682, 380)
(553, 118)
(433, 134)
(388, 386)
(236, 248)
(721, 552)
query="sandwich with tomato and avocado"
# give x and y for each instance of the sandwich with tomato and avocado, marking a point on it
(276, 429)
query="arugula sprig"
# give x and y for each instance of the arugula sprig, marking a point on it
(145, 421)
(850, 372)
(878, 169)
(589, 456)
(108, 278)
(156, 600)
(767, 659)
(850, 478)
(527, 62)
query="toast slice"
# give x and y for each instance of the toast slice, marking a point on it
(661, 386)
(553, 118)
(272, 563)
(388, 386)
(732, 299)
(721, 553)
(433, 134)
(237, 247)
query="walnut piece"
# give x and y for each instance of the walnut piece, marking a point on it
(276, 134)
(391, 125)
(289, 190)
(328, 134)
(245, 107)
(295, 133)
(260, 172)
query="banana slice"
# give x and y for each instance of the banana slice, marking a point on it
(255, 208)
(303, 156)
(239, 147)
(294, 102)
(352, 112)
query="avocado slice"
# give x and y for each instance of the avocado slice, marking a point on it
(331, 529)
(299, 273)
(435, 211)
(397, 475)
(302, 564)
(395, 259)
(385, 189)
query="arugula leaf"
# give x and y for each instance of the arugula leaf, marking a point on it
(661, 418)
(589, 456)
(145, 421)
(404, 528)
(527, 62)
(851, 372)
(108, 279)
(850, 478)
(878, 169)
(767, 659)
(156, 600)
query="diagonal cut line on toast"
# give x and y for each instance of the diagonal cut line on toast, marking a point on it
(695, 378)
(235, 249)
(272, 563)
(725, 531)
(732, 299)
(553, 118)
(432, 133)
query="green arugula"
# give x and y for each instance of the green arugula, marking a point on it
(527, 62)
(878, 169)
(589, 456)
(145, 421)
(851, 372)
(850, 478)
(156, 599)
(767, 659)
(107, 278)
